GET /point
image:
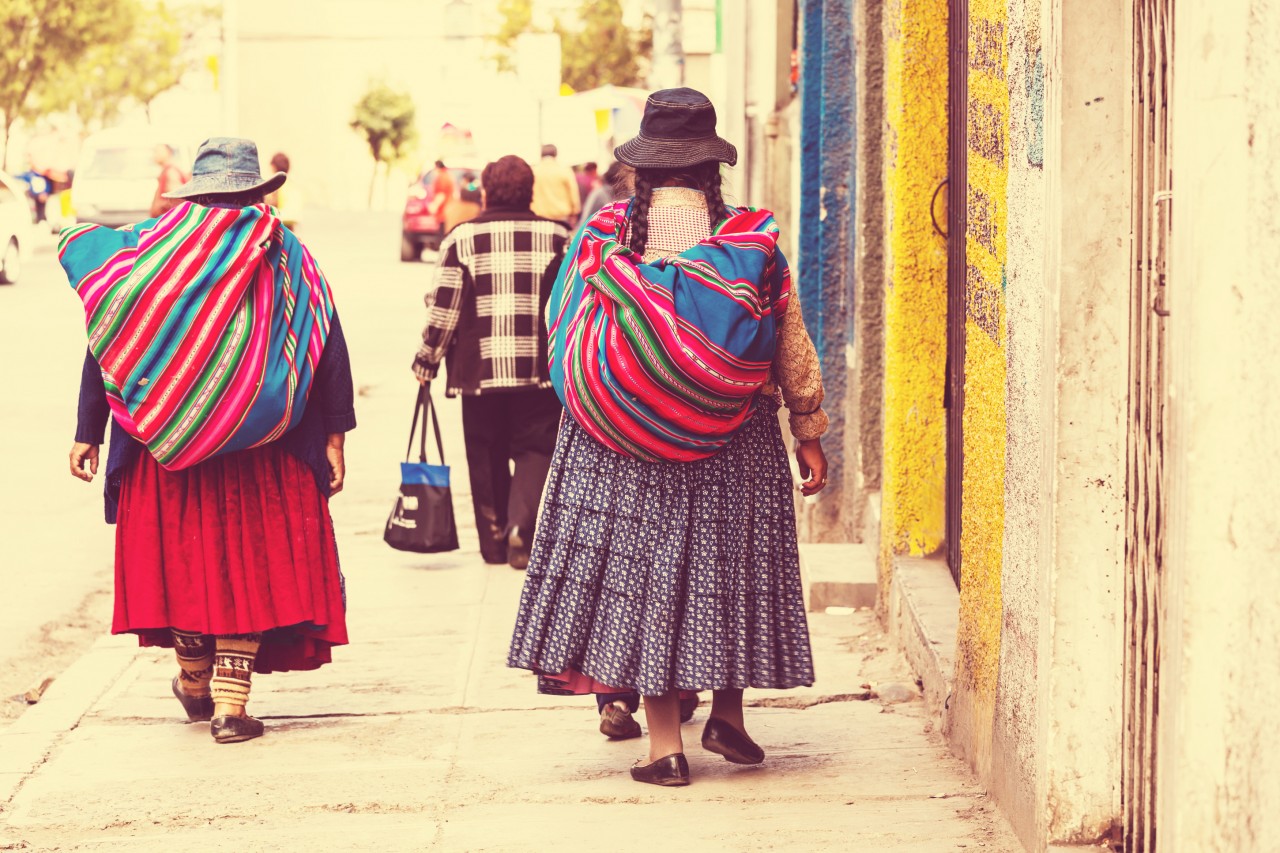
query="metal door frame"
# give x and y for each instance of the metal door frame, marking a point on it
(957, 267)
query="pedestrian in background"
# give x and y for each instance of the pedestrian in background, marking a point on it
(170, 178)
(466, 206)
(616, 185)
(278, 198)
(666, 555)
(38, 189)
(555, 190)
(225, 549)
(485, 319)
(588, 179)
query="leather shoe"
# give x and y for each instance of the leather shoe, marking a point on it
(671, 771)
(198, 708)
(687, 707)
(232, 729)
(617, 723)
(517, 550)
(723, 739)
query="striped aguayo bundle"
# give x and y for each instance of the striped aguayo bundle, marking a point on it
(207, 323)
(664, 360)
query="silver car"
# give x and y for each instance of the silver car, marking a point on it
(15, 228)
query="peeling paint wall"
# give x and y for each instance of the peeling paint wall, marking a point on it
(827, 235)
(1017, 714)
(982, 508)
(915, 307)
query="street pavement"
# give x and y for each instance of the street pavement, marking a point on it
(418, 737)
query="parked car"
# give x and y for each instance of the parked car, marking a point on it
(420, 226)
(115, 177)
(15, 228)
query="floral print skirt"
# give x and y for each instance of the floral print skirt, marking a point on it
(654, 576)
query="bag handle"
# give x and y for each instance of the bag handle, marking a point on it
(423, 406)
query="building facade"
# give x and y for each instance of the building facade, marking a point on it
(1035, 243)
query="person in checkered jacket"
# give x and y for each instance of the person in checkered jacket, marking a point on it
(485, 321)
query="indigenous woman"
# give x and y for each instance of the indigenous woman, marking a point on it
(665, 558)
(215, 351)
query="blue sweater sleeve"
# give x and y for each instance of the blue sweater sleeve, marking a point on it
(93, 412)
(333, 390)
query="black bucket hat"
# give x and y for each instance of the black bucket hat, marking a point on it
(224, 166)
(678, 129)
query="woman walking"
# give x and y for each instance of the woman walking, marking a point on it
(665, 558)
(215, 351)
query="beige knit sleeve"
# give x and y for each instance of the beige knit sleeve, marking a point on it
(798, 373)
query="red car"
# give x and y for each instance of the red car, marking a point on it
(422, 223)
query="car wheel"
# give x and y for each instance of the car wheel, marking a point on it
(10, 264)
(409, 250)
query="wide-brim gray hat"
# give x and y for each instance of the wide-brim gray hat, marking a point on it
(226, 166)
(678, 130)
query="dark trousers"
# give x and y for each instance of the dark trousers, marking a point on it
(500, 428)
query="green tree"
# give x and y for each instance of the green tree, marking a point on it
(385, 118)
(43, 41)
(603, 51)
(517, 18)
(151, 60)
(596, 49)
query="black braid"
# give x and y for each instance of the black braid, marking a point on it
(710, 185)
(640, 211)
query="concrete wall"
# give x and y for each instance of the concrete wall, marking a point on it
(915, 287)
(1017, 713)
(982, 507)
(825, 260)
(864, 354)
(1038, 690)
(1219, 790)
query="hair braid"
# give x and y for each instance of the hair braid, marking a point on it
(710, 182)
(640, 212)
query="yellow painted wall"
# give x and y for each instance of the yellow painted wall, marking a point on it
(914, 484)
(982, 517)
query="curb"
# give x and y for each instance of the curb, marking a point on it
(27, 743)
(924, 615)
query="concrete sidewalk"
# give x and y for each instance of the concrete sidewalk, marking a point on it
(418, 737)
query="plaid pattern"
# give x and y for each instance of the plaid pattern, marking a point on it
(485, 311)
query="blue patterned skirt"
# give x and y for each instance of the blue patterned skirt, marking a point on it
(654, 576)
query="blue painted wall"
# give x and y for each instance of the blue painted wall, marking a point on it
(826, 245)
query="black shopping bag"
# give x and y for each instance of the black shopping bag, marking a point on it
(422, 520)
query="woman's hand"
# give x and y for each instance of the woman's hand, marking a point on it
(337, 462)
(81, 454)
(813, 466)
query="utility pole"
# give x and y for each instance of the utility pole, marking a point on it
(668, 46)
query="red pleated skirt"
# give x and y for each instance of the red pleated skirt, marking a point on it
(239, 544)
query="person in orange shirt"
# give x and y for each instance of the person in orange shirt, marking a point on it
(171, 177)
(555, 190)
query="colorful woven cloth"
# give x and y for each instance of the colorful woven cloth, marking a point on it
(664, 360)
(207, 323)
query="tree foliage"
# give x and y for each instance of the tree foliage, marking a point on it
(385, 118)
(596, 47)
(44, 40)
(151, 60)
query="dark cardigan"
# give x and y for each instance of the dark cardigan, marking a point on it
(330, 409)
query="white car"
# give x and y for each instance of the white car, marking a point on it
(116, 176)
(15, 228)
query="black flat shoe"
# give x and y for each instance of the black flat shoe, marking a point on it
(233, 729)
(687, 707)
(517, 550)
(723, 739)
(199, 708)
(617, 723)
(670, 772)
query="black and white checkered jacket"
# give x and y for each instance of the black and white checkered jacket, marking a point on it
(485, 311)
